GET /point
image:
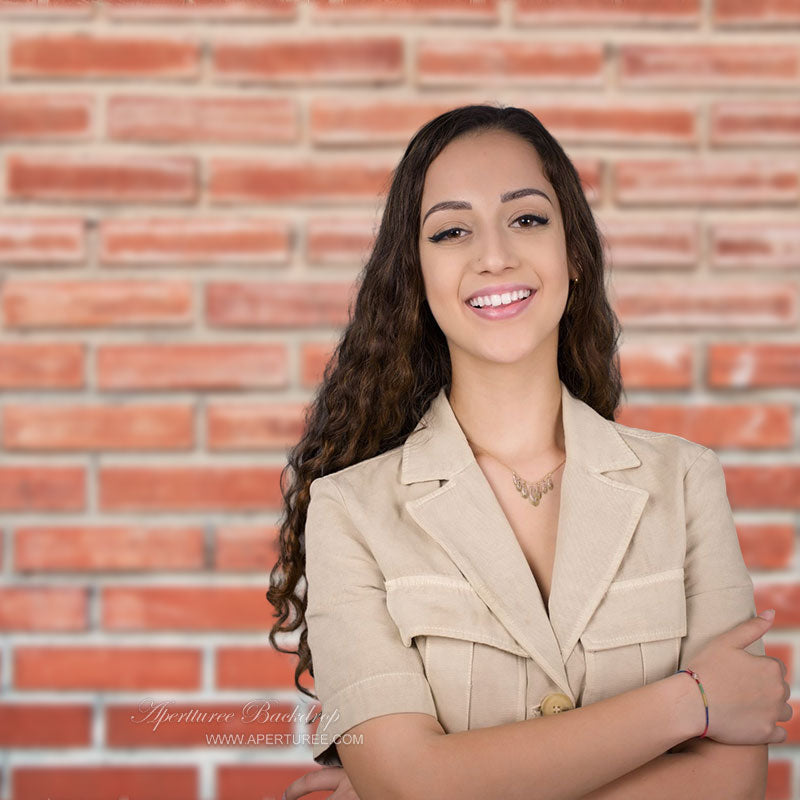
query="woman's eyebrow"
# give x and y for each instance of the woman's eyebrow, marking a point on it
(461, 205)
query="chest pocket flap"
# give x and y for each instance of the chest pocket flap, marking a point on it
(436, 605)
(638, 610)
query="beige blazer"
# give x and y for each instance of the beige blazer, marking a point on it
(421, 599)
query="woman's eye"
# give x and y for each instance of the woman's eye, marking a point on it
(446, 234)
(540, 220)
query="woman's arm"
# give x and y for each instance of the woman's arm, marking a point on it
(554, 757)
(702, 768)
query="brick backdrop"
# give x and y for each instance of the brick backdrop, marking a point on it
(187, 191)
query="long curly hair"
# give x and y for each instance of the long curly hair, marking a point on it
(392, 358)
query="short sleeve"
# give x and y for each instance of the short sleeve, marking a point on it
(362, 669)
(719, 589)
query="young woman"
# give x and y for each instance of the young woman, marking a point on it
(484, 548)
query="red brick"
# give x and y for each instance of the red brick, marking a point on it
(719, 181)
(246, 548)
(190, 488)
(170, 118)
(104, 668)
(96, 304)
(186, 608)
(734, 365)
(284, 180)
(570, 13)
(41, 487)
(347, 120)
(192, 366)
(256, 668)
(195, 240)
(762, 245)
(339, 240)
(767, 546)
(707, 304)
(53, 9)
(760, 13)
(662, 365)
(278, 304)
(590, 175)
(486, 12)
(41, 365)
(599, 121)
(314, 356)
(704, 66)
(42, 240)
(93, 427)
(137, 782)
(93, 178)
(757, 123)
(43, 608)
(764, 486)
(779, 776)
(44, 725)
(645, 243)
(753, 426)
(44, 116)
(108, 548)
(343, 59)
(785, 599)
(88, 55)
(235, 10)
(466, 61)
(254, 426)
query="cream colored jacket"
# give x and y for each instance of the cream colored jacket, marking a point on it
(421, 599)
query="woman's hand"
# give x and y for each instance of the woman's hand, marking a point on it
(333, 778)
(747, 694)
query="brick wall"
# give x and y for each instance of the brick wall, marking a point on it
(174, 176)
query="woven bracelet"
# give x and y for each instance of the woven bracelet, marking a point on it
(696, 677)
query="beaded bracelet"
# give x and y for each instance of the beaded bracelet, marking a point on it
(694, 675)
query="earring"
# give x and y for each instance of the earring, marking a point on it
(574, 282)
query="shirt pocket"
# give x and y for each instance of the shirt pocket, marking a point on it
(475, 668)
(634, 636)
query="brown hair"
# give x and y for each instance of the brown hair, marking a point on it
(392, 358)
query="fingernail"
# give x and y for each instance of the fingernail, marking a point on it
(768, 614)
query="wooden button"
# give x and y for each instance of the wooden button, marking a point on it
(556, 703)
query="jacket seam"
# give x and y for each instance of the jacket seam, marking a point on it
(748, 586)
(699, 456)
(350, 686)
(341, 497)
(350, 516)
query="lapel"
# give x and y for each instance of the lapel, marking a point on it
(597, 517)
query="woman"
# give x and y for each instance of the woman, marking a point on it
(482, 543)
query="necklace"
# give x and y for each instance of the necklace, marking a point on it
(530, 491)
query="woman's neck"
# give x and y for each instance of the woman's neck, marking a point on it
(521, 426)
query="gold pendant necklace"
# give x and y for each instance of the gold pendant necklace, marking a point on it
(531, 491)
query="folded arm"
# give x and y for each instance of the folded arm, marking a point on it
(695, 770)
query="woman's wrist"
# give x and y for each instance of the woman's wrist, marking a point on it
(689, 719)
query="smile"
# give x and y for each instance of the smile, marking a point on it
(502, 306)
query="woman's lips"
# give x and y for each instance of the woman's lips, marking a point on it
(503, 312)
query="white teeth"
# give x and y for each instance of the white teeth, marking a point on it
(499, 299)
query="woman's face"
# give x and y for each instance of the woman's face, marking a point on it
(491, 244)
